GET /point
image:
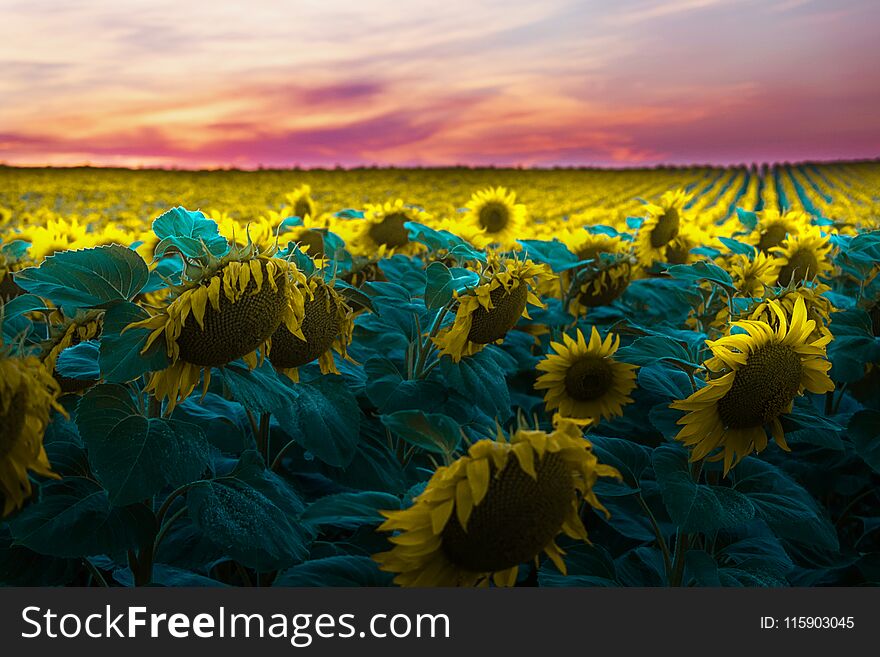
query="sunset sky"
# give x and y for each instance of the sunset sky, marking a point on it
(192, 83)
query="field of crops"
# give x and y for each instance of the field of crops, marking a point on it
(451, 377)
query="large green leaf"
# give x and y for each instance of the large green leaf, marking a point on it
(119, 357)
(252, 515)
(191, 233)
(74, 518)
(344, 571)
(350, 510)
(434, 432)
(481, 380)
(864, 429)
(87, 278)
(325, 419)
(789, 510)
(696, 507)
(135, 457)
(442, 282)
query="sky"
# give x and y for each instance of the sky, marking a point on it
(321, 83)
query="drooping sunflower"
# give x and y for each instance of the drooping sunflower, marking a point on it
(326, 326)
(497, 507)
(583, 380)
(818, 306)
(493, 217)
(661, 226)
(230, 311)
(678, 250)
(382, 232)
(755, 378)
(301, 202)
(488, 311)
(84, 327)
(605, 278)
(28, 394)
(773, 227)
(752, 275)
(803, 256)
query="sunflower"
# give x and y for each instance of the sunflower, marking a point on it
(583, 380)
(773, 227)
(382, 231)
(488, 311)
(228, 312)
(28, 394)
(499, 506)
(326, 326)
(752, 275)
(661, 226)
(63, 234)
(493, 217)
(755, 378)
(678, 250)
(309, 237)
(818, 306)
(803, 256)
(603, 280)
(301, 202)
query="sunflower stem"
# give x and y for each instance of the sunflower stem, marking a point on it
(154, 408)
(264, 437)
(427, 347)
(164, 529)
(682, 539)
(661, 541)
(839, 398)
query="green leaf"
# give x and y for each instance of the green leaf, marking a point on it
(443, 240)
(788, 509)
(252, 515)
(350, 510)
(630, 458)
(480, 380)
(325, 419)
(190, 232)
(696, 507)
(747, 218)
(87, 278)
(434, 432)
(340, 571)
(665, 382)
(806, 425)
(74, 518)
(702, 271)
(13, 315)
(260, 390)
(550, 252)
(389, 391)
(120, 357)
(864, 430)
(135, 457)
(652, 348)
(587, 565)
(737, 247)
(20, 566)
(442, 282)
(80, 361)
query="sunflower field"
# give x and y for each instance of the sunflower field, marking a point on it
(450, 377)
